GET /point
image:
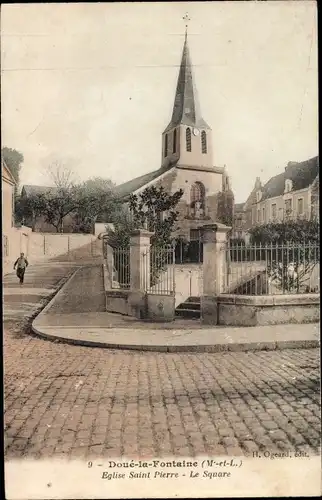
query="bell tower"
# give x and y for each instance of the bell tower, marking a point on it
(186, 140)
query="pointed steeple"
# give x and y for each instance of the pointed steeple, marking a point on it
(186, 110)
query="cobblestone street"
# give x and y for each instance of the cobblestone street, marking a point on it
(86, 402)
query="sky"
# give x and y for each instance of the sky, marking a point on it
(92, 85)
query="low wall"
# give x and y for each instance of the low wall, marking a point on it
(141, 305)
(17, 242)
(239, 310)
(161, 307)
(117, 301)
(67, 246)
(124, 302)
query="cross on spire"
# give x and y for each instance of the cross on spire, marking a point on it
(186, 109)
(186, 20)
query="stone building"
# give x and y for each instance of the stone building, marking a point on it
(242, 219)
(14, 240)
(8, 194)
(238, 231)
(290, 195)
(187, 163)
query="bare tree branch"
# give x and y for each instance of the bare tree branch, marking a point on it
(61, 174)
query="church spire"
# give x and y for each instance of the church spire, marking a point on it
(186, 109)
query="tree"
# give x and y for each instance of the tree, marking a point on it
(95, 199)
(14, 160)
(61, 174)
(154, 209)
(225, 207)
(292, 252)
(27, 209)
(287, 231)
(123, 223)
(62, 199)
(57, 204)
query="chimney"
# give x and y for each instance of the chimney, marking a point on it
(258, 183)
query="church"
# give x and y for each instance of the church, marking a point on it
(187, 163)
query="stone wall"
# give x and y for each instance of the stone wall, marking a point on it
(315, 199)
(239, 310)
(47, 246)
(180, 178)
(40, 247)
(160, 307)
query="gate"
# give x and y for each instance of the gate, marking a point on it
(120, 268)
(158, 271)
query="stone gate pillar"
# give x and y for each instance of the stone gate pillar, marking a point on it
(140, 243)
(107, 252)
(214, 269)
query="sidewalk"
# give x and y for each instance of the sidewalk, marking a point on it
(41, 282)
(76, 315)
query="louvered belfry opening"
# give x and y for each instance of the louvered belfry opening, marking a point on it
(203, 142)
(188, 140)
(166, 145)
(174, 145)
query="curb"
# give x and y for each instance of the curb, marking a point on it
(201, 348)
(214, 348)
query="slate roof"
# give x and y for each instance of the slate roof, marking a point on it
(301, 174)
(186, 108)
(125, 189)
(31, 190)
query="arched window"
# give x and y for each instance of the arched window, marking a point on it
(197, 199)
(166, 145)
(188, 139)
(174, 146)
(203, 142)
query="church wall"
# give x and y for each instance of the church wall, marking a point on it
(184, 179)
(195, 158)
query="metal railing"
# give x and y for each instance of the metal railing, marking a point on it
(274, 269)
(158, 270)
(121, 268)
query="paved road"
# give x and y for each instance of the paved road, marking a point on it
(41, 281)
(84, 293)
(83, 402)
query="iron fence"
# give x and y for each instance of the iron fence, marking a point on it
(121, 268)
(158, 270)
(273, 269)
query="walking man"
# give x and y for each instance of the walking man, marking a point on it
(22, 265)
